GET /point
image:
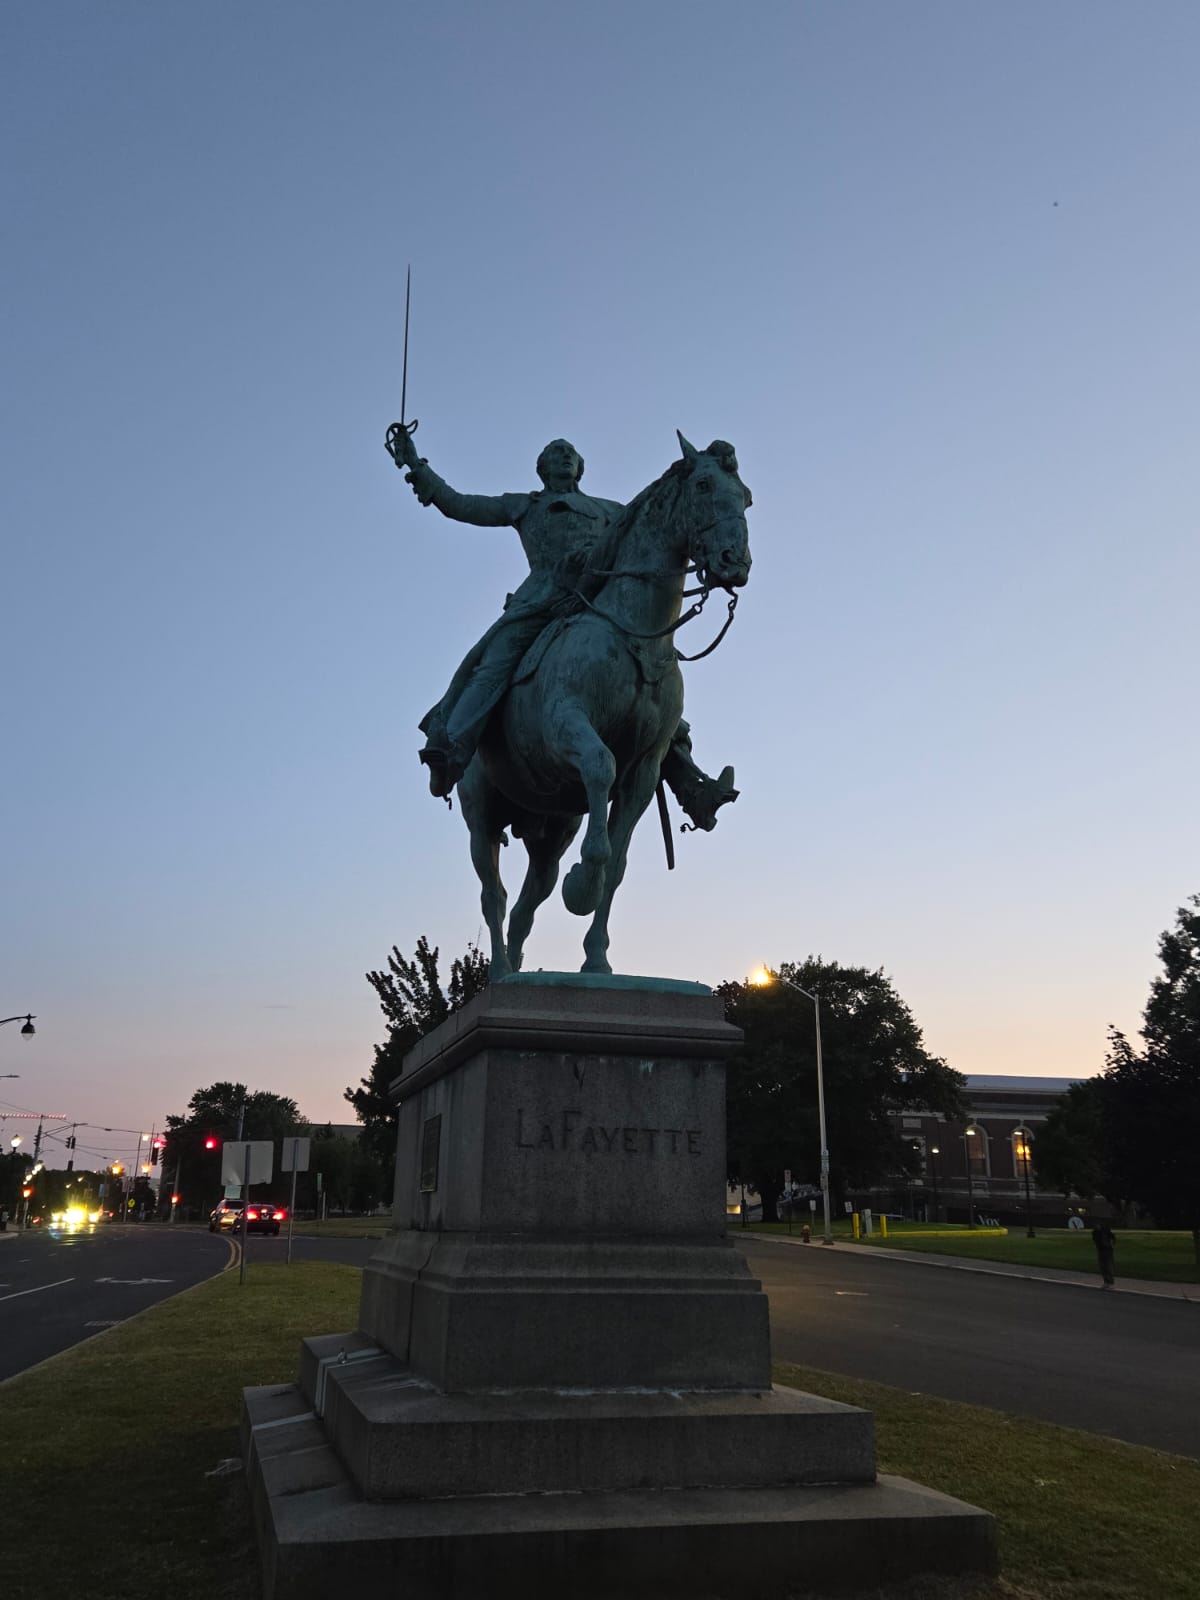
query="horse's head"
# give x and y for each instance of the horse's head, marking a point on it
(715, 502)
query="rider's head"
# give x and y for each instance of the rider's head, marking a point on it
(560, 466)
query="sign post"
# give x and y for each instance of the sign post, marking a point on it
(245, 1162)
(294, 1159)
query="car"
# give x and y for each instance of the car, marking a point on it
(261, 1217)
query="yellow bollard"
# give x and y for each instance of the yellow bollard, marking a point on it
(882, 1226)
(856, 1224)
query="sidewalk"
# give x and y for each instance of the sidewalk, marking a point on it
(1004, 1269)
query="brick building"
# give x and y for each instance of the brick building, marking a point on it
(981, 1164)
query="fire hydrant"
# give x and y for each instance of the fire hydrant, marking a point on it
(806, 1234)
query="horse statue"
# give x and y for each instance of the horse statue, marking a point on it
(594, 705)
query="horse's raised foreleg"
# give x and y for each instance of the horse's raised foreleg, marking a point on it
(634, 793)
(576, 738)
(476, 797)
(546, 849)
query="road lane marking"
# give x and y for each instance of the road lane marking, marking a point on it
(38, 1290)
(133, 1280)
(855, 1294)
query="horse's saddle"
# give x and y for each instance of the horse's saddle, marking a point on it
(653, 656)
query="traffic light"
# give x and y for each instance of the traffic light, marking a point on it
(27, 1192)
(212, 1142)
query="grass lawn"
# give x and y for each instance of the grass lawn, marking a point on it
(1141, 1253)
(345, 1228)
(1166, 1256)
(105, 1456)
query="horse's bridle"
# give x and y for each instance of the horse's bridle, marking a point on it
(704, 589)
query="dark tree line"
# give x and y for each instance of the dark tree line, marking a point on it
(1133, 1133)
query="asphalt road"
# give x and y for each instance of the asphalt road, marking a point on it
(57, 1289)
(1123, 1365)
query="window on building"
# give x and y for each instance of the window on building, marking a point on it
(976, 1142)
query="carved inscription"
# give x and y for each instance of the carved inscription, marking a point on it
(570, 1132)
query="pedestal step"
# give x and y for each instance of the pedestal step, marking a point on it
(401, 1439)
(319, 1535)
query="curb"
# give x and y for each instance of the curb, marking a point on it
(1146, 1288)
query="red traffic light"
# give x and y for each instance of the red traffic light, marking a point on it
(212, 1142)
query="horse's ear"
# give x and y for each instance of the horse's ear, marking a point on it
(689, 450)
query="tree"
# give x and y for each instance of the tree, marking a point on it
(1152, 1096)
(216, 1112)
(874, 1063)
(412, 999)
(1069, 1152)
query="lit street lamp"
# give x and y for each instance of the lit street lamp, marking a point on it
(1024, 1155)
(969, 1133)
(765, 976)
(934, 1153)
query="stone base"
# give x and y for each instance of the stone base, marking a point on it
(318, 1535)
(401, 1439)
(560, 1385)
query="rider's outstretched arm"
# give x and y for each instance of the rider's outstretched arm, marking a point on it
(484, 510)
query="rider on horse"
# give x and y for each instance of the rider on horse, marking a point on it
(559, 526)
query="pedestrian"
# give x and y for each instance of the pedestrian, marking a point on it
(1105, 1241)
(3, 1219)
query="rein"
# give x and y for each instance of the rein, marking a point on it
(703, 590)
(660, 633)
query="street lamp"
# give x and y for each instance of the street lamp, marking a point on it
(28, 1030)
(761, 978)
(934, 1154)
(1024, 1155)
(969, 1133)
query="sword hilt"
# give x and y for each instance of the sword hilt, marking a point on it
(394, 432)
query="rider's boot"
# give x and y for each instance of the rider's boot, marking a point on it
(700, 796)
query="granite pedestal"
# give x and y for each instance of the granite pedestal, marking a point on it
(560, 1382)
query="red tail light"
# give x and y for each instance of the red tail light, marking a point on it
(279, 1216)
(252, 1216)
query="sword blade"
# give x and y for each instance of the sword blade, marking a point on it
(404, 372)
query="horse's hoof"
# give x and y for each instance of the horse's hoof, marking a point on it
(582, 888)
(597, 966)
(499, 967)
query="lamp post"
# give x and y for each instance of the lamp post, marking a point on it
(969, 1133)
(934, 1153)
(764, 976)
(22, 1016)
(1023, 1152)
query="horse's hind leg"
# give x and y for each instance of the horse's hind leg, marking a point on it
(634, 793)
(593, 760)
(477, 799)
(546, 848)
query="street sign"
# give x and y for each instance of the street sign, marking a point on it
(249, 1161)
(295, 1154)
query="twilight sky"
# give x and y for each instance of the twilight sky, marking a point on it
(932, 267)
